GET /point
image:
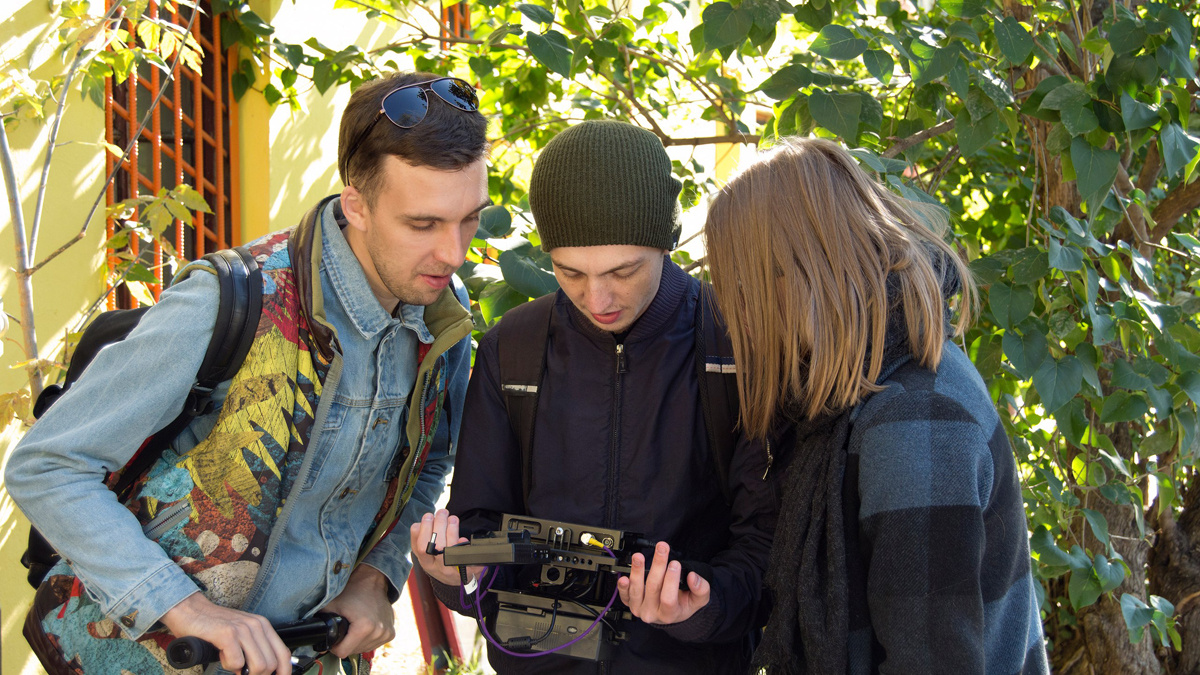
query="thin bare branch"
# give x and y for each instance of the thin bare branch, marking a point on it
(749, 139)
(150, 112)
(916, 139)
(24, 283)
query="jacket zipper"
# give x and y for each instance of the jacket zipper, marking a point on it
(611, 510)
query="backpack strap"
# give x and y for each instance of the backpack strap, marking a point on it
(716, 376)
(521, 343)
(239, 278)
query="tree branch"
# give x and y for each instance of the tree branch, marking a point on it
(24, 283)
(150, 112)
(749, 139)
(52, 142)
(1178, 203)
(916, 139)
(1150, 168)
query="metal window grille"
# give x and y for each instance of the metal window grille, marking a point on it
(191, 138)
(456, 21)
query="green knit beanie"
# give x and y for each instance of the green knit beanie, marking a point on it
(605, 182)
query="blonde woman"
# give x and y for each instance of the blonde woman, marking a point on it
(902, 544)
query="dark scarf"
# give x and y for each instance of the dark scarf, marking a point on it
(808, 629)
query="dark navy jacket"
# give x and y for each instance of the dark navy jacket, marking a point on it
(623, 445)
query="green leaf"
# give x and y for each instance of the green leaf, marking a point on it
(837, 112)
(1058, 381)
(1029, 266)
(1025, 352)
(1049, 554)
(1014, 41)
(1127, 72)
(1010, 305)
(1075, 107)
(1098, 523)
(191, 198)
(1110, 574)
(1191, 243)
(1136, 613)
(536, 13)
(838, 43)
(1126, 36)
(140, 273)
(786, 82)
(552, 50)
(1135, 114)
(1095, 171)
(1125, 377)
(962, 9)
(1189, 382)
(1181, 26)
(930, 63)
(879, 64)
(1066, 258)
(996, 88)
(766, 13)
(813, 15)
(1084, 588)
(1179, 148)
(959, 80)
(1122, 406)
(1072, 422)
(524, 274)
(494, 221)
(725, 26)
(973, 136)
(496, 299)
(1087, 357)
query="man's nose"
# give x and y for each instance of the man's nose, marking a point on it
(450, 249)
(599, 297)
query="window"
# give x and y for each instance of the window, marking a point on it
(456, 21)
(191, 138)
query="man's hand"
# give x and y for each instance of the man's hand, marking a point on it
(244, 639)
(654, 596)
(364, 603)
(446, 527)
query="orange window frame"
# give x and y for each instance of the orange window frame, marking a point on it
(456, 21)
(192, 138)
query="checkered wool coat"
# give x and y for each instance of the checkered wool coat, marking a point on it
(939, 573)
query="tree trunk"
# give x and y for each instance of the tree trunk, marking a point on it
(1101, 645)
(1175, 575)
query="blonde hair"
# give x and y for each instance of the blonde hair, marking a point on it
(801, 246)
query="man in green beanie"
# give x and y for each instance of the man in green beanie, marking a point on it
(616, 437)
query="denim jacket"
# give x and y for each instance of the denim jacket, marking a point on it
(138, 385)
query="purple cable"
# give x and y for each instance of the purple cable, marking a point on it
(497, 645)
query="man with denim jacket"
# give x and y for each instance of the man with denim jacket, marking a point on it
(363, 296)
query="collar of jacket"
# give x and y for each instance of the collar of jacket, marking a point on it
(305, 249)
(662, 309)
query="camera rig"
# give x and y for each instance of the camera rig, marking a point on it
(566, 585)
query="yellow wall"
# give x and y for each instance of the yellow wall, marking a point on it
(288, 162)
(62, 289)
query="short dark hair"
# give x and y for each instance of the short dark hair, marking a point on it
(447, 138)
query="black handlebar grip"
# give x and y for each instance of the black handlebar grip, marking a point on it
(186, 652)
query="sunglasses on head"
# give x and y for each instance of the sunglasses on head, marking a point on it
(406, 106)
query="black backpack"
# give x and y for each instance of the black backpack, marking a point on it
(240, 281)
(521, 376)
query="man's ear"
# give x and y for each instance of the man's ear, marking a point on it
(354, 207)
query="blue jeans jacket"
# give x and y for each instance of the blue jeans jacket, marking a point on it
(138, 385)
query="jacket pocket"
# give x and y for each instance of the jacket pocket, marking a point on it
(330, 438)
